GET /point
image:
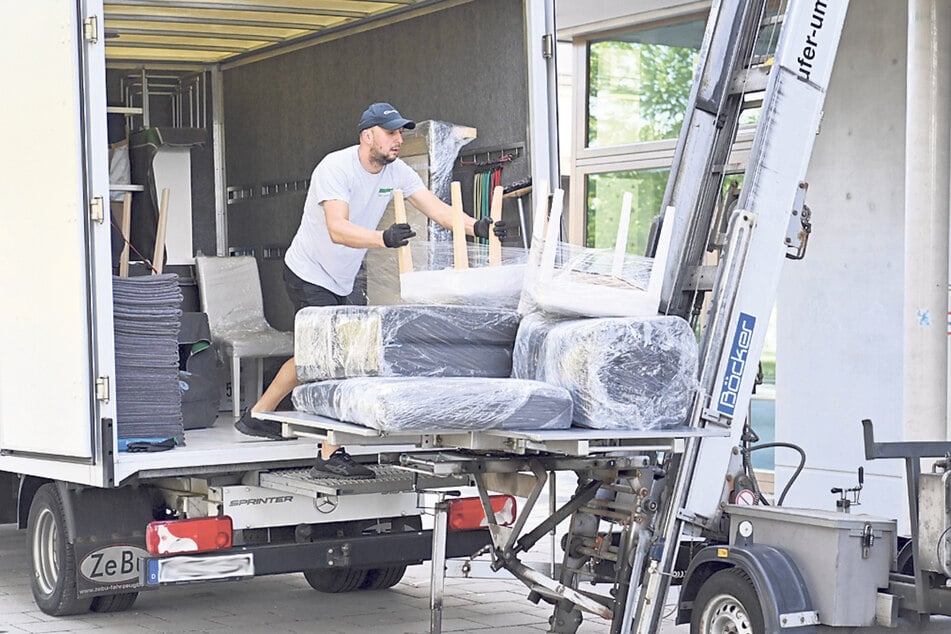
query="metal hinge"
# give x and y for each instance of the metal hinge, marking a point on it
(548, 46)
(91, 29)
(97, 211)
(102, 389)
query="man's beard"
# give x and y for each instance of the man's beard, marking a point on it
(381, 159)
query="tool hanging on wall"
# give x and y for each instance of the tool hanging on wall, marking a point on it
(483, 184)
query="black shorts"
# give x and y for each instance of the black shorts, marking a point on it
(304, 294)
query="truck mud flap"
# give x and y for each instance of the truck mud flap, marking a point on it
(108, 534)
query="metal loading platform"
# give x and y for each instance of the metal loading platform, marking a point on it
(389, 479)
(621, 474)
(575, 441)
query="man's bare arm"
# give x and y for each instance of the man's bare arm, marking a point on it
(344, 232)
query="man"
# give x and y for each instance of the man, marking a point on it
(349, 192)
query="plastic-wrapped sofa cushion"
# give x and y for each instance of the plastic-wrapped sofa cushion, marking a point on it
(334, 342)
(392, 404)
(622, 373)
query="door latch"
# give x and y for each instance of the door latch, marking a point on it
(97, 210)
(91, 29)
(102, 389)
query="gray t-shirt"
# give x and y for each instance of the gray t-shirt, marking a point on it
(313, 256)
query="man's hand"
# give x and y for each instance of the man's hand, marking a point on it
(398, 235)
(481, 228)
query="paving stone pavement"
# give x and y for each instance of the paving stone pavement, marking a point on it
(282, 604)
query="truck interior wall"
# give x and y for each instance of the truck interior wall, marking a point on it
(839, 312)
(465, 65)
(202, 156)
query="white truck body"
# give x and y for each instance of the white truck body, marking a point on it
(57, 393)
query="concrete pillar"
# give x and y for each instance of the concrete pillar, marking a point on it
(927, 183)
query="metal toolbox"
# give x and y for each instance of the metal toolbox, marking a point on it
(843, 558)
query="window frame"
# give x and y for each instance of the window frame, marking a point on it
(658, 154)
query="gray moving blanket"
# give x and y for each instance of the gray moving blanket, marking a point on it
(622, 373)
(437, 403)
(146, 319)
(333, 342)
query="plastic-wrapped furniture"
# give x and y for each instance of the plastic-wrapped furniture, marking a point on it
(622, 373)
(230, 292)
(393, 404)
(336, 342)
(583, 282)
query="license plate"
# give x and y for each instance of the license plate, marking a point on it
(185, 569)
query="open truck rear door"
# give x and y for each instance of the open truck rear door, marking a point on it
(55, 386)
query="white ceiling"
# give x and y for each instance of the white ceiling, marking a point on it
(211, 31)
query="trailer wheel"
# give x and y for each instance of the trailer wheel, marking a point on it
(727, 604)
(52, 559)
(333, 581)
(114, 602)
(383, 578)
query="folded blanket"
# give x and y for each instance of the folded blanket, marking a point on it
(437, 403)
(622, 373)
(405, 340)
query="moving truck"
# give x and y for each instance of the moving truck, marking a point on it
(238, 102)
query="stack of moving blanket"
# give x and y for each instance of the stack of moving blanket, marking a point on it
(419, 367)
(147, 313)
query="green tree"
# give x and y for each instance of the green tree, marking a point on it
(664, 89)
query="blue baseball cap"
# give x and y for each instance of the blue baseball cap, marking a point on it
(385, 116)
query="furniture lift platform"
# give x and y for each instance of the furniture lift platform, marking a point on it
(437, 459)
(575, 441)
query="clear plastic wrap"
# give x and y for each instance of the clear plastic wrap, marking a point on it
(392, 404)
(622, 373)
(570, 280)
(443, 141)
(334, 342)
(434, 280)
(230, 289)
(586, 282)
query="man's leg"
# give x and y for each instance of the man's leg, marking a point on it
(284, 382)
(302, 294)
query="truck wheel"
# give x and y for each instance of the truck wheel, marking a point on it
(383, 578)
(727, 604)
(52, 559)
(332, 581)
(114, 602)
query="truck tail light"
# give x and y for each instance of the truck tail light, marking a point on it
(467, 513)
(195, 535)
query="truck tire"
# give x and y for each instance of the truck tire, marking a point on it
(334, 581)
(114, 602)
(727, 602)
(52, 560)
(383, 578)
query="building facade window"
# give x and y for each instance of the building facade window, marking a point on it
(631, 90)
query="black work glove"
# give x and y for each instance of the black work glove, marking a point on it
(481, 228)
(398, 235)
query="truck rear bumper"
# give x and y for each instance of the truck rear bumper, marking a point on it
(368, 551)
